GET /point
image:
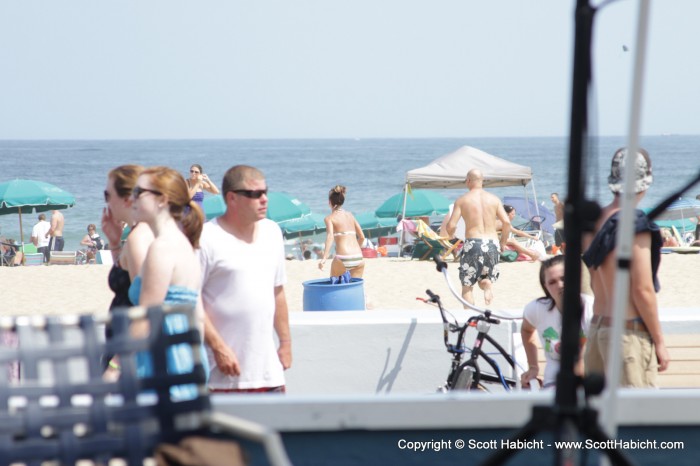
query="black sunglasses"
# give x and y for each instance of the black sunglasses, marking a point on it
(138, 190)
(251, 193)
(106, 193)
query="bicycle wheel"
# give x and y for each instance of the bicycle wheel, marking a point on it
(463, 378)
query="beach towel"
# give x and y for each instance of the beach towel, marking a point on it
(339, 280)
(509, 255)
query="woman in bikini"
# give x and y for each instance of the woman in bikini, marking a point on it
(512, 244)
(128, 252)
(198, 182)
(342, 228)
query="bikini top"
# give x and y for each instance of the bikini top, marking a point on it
(176, 294)
(119, 282)
(343, 233)
(198, 197)
(604, 243)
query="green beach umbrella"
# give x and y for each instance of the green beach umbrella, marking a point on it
(28, 196)
(419, 203)
(213, 206)
(306, 225)
(283, 206)
(375, 226)
(280, 207)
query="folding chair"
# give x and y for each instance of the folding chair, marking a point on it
(428, 243)
(31, 255)
(62, 410)
(6, 259)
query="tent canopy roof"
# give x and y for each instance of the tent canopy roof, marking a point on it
(450, 171)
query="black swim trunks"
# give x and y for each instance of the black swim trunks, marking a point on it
(479, 261)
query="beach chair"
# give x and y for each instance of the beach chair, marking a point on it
(7, 254)
(31, 256)
(63, 258)
(104, 257)
(428, 243)
(678, 236)
(684, 247)
(60, 410)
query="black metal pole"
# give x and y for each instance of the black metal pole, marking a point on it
(577, 210)
(566, 418)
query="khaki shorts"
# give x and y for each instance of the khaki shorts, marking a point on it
(639, 365)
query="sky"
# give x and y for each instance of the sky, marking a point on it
(173, 69)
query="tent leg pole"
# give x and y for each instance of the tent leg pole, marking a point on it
(21, 233)
(403, 216)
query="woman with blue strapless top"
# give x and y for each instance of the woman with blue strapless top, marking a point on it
(179, 357)
(171, 271)
(198, 182)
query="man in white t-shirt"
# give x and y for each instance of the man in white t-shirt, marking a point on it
(243, 277)
(40, 238)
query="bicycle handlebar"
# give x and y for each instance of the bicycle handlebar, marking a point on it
(433, 296)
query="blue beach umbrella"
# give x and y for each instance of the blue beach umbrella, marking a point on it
(527, 209)
(280, 207)
(680, 209)
(419, 203)
(27, 196)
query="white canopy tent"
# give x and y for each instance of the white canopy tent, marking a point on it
(450, 172)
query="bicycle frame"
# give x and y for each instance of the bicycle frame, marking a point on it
(457, 378)
(477, 352)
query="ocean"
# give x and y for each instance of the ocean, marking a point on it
(372, 169)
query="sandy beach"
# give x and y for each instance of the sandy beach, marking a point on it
(390, 283)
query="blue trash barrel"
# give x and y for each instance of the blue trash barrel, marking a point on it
(320, 295)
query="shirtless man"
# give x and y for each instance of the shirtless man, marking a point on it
(643, 350)
(479, 260)
(559, 217)
(56, 231)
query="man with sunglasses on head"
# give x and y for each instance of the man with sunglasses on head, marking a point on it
(243, 277)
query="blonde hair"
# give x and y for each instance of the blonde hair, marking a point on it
(337, 195)
(184, 210)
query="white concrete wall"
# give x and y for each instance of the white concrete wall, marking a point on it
(379, 352)
(368, 352)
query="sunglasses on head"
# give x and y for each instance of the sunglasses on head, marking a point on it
(251, 193)
(138, 191)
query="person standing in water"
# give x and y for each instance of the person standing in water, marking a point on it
(198, 182)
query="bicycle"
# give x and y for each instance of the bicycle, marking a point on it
(468, 375)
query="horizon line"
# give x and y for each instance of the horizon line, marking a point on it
(339, 138)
